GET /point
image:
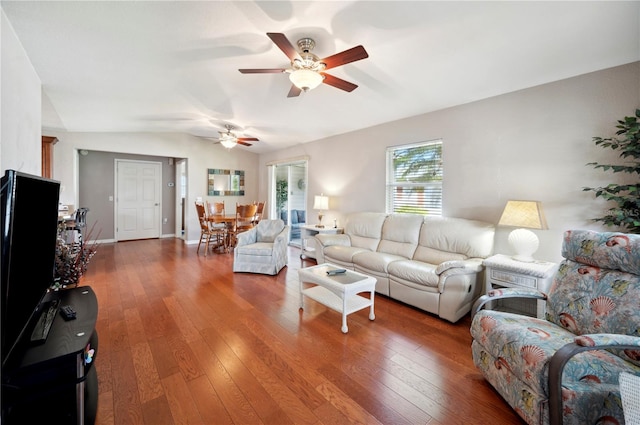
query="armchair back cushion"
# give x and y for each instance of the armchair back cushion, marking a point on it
(267, 230)
(448, 239)
(365, 229)
(591, 293)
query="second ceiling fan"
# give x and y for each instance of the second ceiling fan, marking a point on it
(307, 70)
(229, 139)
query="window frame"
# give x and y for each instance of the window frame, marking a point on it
(435, 185)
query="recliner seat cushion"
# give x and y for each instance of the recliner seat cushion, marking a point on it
(375, 261)
(259, 249)
(415, 271)
(513, 352)
(342, 253)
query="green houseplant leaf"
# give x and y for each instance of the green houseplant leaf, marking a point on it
(626, 197)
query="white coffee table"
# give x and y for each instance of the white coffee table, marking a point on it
(338, 292)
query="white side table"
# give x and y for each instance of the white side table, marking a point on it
(502, 271)
(308, 231)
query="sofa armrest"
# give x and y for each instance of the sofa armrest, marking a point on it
(587, 342)
(247, 237)
(459, 267)
(497, 294)
(333, 239)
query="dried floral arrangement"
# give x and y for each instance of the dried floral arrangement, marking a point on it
(72, 258)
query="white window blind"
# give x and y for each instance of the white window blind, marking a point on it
(414, 178)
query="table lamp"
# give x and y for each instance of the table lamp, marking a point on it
(524, 215)
(320, 203)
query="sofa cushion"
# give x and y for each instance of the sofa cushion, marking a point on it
(400, 234)
(342, 253)
(414, 271)
(447, 239)
(365, 229)
(267, 230)
(375, 261)
(256, 249)
(302, 216)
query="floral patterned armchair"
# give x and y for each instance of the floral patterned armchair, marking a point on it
(565, 369)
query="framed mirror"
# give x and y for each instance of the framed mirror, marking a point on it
(225, 182)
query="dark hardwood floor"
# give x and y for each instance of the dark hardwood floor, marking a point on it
(182, 339)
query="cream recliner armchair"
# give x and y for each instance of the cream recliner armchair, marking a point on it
(262, 249)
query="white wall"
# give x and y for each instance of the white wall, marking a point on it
(531, 144)
(20, 110)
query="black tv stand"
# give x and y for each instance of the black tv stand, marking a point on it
(55, 381)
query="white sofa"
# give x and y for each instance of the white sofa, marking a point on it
(432, 263)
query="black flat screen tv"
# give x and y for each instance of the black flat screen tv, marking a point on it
(29, 232)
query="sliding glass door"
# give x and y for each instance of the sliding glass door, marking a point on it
(289, 191)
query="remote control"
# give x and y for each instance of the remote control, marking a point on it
(67, 312)
(336, 271)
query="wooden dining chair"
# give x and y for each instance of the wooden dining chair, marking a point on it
(78, 224)
(216, 217)
(207, 233)
(259, 212)
(245, 216)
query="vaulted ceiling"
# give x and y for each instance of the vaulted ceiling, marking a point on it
(133, 66)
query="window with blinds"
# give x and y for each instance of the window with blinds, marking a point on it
(414, 178)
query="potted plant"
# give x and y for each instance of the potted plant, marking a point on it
(282, 194)
(626, 212)
(72, 258)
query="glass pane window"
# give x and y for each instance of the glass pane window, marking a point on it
(414, 178)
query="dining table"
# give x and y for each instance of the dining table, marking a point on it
(230, 222)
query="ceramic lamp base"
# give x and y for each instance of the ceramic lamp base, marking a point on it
(524, 243)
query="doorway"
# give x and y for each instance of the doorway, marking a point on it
(138, 199)
(181, 198)
(289, 189)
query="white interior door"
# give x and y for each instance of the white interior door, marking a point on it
(138, 199)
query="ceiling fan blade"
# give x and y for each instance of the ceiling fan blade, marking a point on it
(263, 71)
(338, 83)
(284, 44)
(354, 54)
(248, 139)
(240, 142)
(295, 91)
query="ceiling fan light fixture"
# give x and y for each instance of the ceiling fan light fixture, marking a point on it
(305, 79)
(228, 140)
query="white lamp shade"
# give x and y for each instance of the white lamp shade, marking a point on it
(306, 79)
(527, 215)
(321, 202)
